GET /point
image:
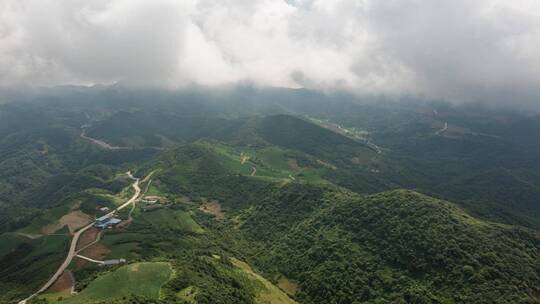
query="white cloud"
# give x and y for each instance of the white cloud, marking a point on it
(484, 49)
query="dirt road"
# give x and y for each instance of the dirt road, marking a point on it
(89, 259)
(107, 146)
(101, 143)
(72, 248)
(64, 265)
(443, 129)
(97, 239)
(373, 146)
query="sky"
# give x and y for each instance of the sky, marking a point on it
(480, 50)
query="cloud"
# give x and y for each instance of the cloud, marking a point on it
(97, 41)
(463, 49)
(460, 50)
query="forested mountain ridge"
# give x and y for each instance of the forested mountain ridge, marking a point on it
(266, 196)
(344, 247)
(398, 246)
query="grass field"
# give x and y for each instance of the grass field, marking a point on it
(10, 241)
(168, 219)
(48, 217)
(29, 266)
(154, 191)
(268, 293)
(271, 162)
(188, 294)
(231, 157)
(144, 279)
(123, 245)
(108, 199)
(53, 297)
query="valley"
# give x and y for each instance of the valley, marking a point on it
(222, 204)
(269, 152)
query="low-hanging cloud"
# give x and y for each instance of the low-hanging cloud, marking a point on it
(454, 49)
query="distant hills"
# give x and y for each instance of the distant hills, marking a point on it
(342, 246)
(273, 195)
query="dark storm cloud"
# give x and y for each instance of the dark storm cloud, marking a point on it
(459, 50)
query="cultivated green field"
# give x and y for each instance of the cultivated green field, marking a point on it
(144, 279)
(270, 162)
(168, 219)
(154, 191)
(124, 245)
(267, 293)
(26, 264)
(48, 217)
(9, 242)
(312, 215)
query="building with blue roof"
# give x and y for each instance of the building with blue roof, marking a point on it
(107, 222)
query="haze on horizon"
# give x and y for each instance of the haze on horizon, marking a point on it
(484, 50)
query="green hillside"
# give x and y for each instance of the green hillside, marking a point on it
(140, 279)
(413, 155)
(26, 263)
(270, 196)
(395, 246)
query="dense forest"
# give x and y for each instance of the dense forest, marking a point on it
(269, 194)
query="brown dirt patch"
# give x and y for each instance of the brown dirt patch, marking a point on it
(88, 237)
(65, 281)
(213, 207)
(534, 293)
(243, 158)
(74, 220)
(123, 225)
(289, 287)
(79, 263)
(153, 198)
(134, 267)
(293, 163)
(97, 251)
(270, 294)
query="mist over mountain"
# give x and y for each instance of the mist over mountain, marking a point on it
(485, 51)
(269, 152)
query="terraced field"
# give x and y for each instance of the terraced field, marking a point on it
(270, 162)
(144, 279)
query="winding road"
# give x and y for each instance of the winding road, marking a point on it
(102, 144)
(373, 146)
(89, 259)
(72, 248)
(443, 129)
